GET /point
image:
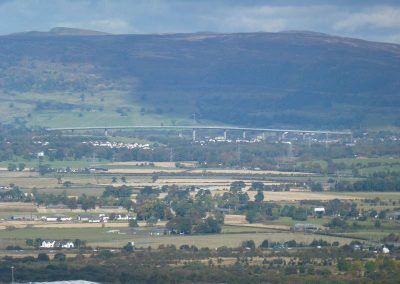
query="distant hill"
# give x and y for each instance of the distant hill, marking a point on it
(290, 78)
(61, 31)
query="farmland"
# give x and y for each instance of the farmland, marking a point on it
(133, 193)
(218, 181)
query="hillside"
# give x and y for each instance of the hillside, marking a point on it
(266, 79)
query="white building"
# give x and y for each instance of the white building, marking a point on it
(57, 244)
(67, 244)
(121, 217)
(48, 244)
(65, 218)
(84, 218)
(319, 210)
(51, 219)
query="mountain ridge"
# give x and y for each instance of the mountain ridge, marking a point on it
(297, 78)
(61, 31)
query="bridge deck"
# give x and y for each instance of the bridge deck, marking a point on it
(200, 127)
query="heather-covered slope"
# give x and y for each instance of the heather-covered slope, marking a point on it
(289, 78)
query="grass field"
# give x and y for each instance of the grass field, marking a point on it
(104, 237)
(87, 110)
(366, 195)
(303, 195)
(365, 166)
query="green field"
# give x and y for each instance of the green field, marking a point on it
(365, 166)
(86, 109)
(287, 221)
(105, 237)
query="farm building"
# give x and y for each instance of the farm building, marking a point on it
(57, 218)
(27, 217)
(319, 211)
(48, 244)
(57, 244)
(300, 227)
(84, 218)
(50, 218)
(67, 244)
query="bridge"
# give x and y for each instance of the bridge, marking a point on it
(204, 127)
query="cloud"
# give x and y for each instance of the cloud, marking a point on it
(274, 18)
(367, 19)
(116, 26)
(377, 17)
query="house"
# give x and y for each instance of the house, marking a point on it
(57, 244)
(50, 218)
(27, 217)
(67, 244)
(48, 244)
(89, 219)
(393, 215)
(56, 218)
(104, 218)
(300, 227)
(319, 211)
(84, 218)
(121, 217)
(63, 218)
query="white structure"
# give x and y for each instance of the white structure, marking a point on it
(48, 244)
(319, 210)
(65, 218)
(51, 219)
(121, 217)
(385, 250)
(57, 244)
(67, 245)
(84, 218)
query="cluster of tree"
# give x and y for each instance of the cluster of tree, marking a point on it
(14, 167)
(20, 141)
(333, 264)
(383, 181)
(260, 186)
(85, 202)
(194, 215)
(293, 243)
(118, 192)
(14, 194)
(296, 213)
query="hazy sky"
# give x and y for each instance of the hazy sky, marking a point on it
(368, 19)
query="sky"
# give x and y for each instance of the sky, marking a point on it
(377, 20)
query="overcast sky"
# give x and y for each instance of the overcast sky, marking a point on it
(377, 20)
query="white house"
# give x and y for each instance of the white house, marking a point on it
(67, 244)
(51, 219)
(319, 210)
(84, 218)
(65, 218)
(57, 244)
(48, 244)
(121, 217)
